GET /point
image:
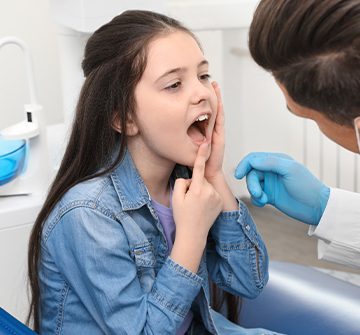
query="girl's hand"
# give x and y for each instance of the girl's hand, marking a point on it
(214, 164)
(196, 206)
(213, 171)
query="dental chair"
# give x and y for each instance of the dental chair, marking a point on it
(11, 326)
(299, 300)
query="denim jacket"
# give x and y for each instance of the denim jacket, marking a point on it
(104, 266)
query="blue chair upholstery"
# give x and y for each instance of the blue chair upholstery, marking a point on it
(300, 300)
(11, 326)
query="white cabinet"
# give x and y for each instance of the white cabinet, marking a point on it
(17, 215)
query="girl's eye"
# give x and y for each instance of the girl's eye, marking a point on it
(204, 77)
(173, 86)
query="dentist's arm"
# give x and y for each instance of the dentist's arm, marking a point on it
(279, 180)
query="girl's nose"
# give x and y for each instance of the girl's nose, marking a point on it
(200, 93)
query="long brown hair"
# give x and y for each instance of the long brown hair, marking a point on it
(114, 61)
(312, 47)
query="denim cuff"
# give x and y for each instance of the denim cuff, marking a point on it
(226, 226)
(240, 245)
(171, 283)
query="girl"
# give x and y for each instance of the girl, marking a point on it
(104, 257)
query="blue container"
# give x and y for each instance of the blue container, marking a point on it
(12, 159)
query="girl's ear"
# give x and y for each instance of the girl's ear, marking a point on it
(131, 127)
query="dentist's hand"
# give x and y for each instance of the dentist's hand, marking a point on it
(279, 180)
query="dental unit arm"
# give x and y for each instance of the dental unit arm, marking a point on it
(35, 179)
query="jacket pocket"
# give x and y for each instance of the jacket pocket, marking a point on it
(145, 265)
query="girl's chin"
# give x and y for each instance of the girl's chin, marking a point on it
(191, 163)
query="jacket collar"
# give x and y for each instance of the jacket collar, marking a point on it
(129, 185)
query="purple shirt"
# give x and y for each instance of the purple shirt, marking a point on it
(166, 218)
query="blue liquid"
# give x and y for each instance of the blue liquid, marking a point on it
(12, 157)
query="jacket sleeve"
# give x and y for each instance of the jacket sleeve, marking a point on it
(339, 229)
(91, 250)
(237, 257)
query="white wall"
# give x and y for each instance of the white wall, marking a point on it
(29, 21)
(258, 120)
(256, 114)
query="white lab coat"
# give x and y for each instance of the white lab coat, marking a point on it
(339, 229)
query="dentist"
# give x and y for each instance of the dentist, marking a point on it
(312, 48)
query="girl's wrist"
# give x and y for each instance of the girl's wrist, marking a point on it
(220, 184)
(215, 178)
(187, 253)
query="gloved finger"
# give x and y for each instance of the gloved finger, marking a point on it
(243, 168)
(273, 164)
(253, 180)
(281, 155)
(246, 163)
(258, 203)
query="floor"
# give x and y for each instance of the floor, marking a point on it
(287, 241)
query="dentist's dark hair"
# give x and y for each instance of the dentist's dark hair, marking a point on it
(114, 61)
(312, 47)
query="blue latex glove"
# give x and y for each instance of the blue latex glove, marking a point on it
(279, 180)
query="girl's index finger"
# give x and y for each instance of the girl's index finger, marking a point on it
(199, 165)
(217, 91)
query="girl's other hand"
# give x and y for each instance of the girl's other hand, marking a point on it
(214, 164)
(213, 172)
(196, 206)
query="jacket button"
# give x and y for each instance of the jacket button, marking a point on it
(247, 228)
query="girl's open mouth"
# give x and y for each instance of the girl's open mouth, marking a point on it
(197, 131)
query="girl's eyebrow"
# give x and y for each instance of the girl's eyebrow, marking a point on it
(179, 69)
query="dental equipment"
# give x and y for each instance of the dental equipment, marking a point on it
(36, 176)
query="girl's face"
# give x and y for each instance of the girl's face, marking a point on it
(174, 92)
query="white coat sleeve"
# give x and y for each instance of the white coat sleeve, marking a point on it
(339, 229)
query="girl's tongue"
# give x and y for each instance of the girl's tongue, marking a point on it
(196, 132)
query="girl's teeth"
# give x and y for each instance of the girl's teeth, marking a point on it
(202, 117)
(204, 139)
